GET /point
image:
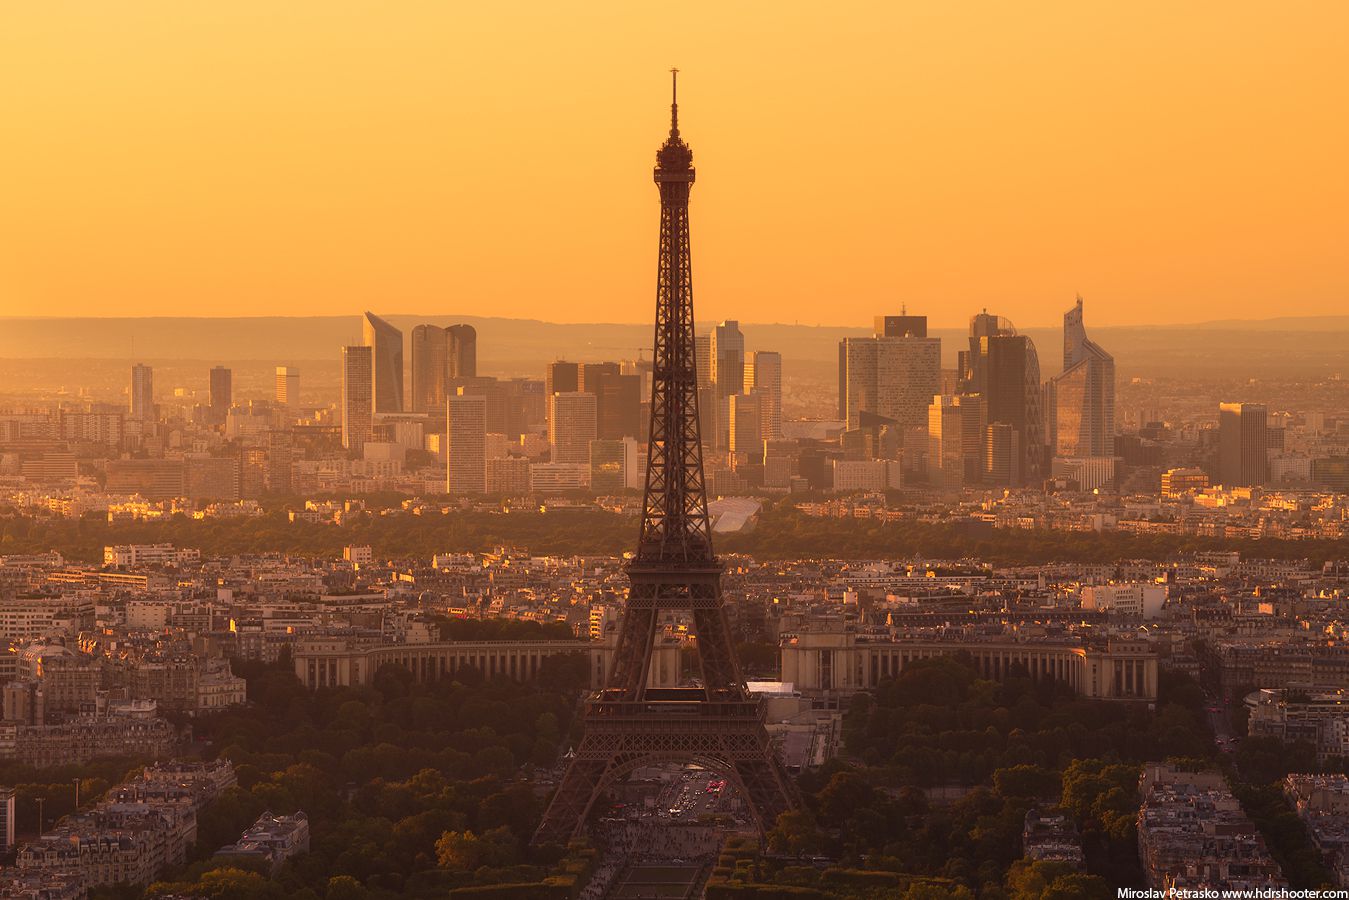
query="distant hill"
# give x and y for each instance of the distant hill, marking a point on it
(1281, 323)
(1218, 349)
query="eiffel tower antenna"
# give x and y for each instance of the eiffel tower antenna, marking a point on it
(635, 720)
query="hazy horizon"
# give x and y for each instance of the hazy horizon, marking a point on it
(932, 322)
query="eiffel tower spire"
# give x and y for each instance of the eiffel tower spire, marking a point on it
(637, 719)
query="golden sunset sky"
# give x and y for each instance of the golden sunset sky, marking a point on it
(1172, 161)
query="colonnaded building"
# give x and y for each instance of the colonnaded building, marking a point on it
(838, 660)
(342, 661)
(826, 659)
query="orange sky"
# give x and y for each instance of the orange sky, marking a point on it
(1173, 162)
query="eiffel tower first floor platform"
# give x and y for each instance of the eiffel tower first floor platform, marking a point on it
(669, 726)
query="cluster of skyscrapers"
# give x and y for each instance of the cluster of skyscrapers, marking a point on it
(905, 419)
(220, 405)
(582, 427)
(739, 392)
(988, 421)
(595, 417)
(444, 360)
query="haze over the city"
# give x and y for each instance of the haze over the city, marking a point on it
(1172, 162)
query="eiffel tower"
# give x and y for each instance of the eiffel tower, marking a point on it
(717, 725)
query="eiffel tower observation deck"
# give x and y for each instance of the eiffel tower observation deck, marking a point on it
(713, 723)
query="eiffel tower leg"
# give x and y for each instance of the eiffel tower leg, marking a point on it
(632, 657)
(570, 808)
(769, 790)
(720, 671)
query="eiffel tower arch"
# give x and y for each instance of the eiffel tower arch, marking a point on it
(717, 725)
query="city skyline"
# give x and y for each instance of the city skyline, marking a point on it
(1028, 166)
(910, 612)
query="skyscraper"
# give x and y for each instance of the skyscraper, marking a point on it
(745, 428)
(618, 404)
(612, 465)
(280, 455)
(221, 385)
(357, 397)
(763, 375)
(7, 823)
(386, 345)
(956, 440)
(287, 387)
(440, 357)
(903, 325)
(462, 351)
(1013, 396)
(572, 426)
(466, 444)
(702, 352)
(561, 377)
(1002, 455)
(142, 392)
(505, 404)
(894, 377)
(1004, 368)
(591, 373)
(727, 357)
(430, 364)
(1243, 444)
(1080, 402)
(971, 364)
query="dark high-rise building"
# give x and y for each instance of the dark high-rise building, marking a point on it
(561, 377)
(1002, 455)
(591, 373)
(1004, 368)
(533, 404)
(618, 404)
(982, 326)
(462, 351)
(430, 365)
(1012, 396)
(505, 404)
(221, 392)
(386, 348)
(439, 357)
(903, 325)
(1243, 444)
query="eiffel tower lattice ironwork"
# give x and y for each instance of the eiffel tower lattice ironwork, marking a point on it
(629, 724)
